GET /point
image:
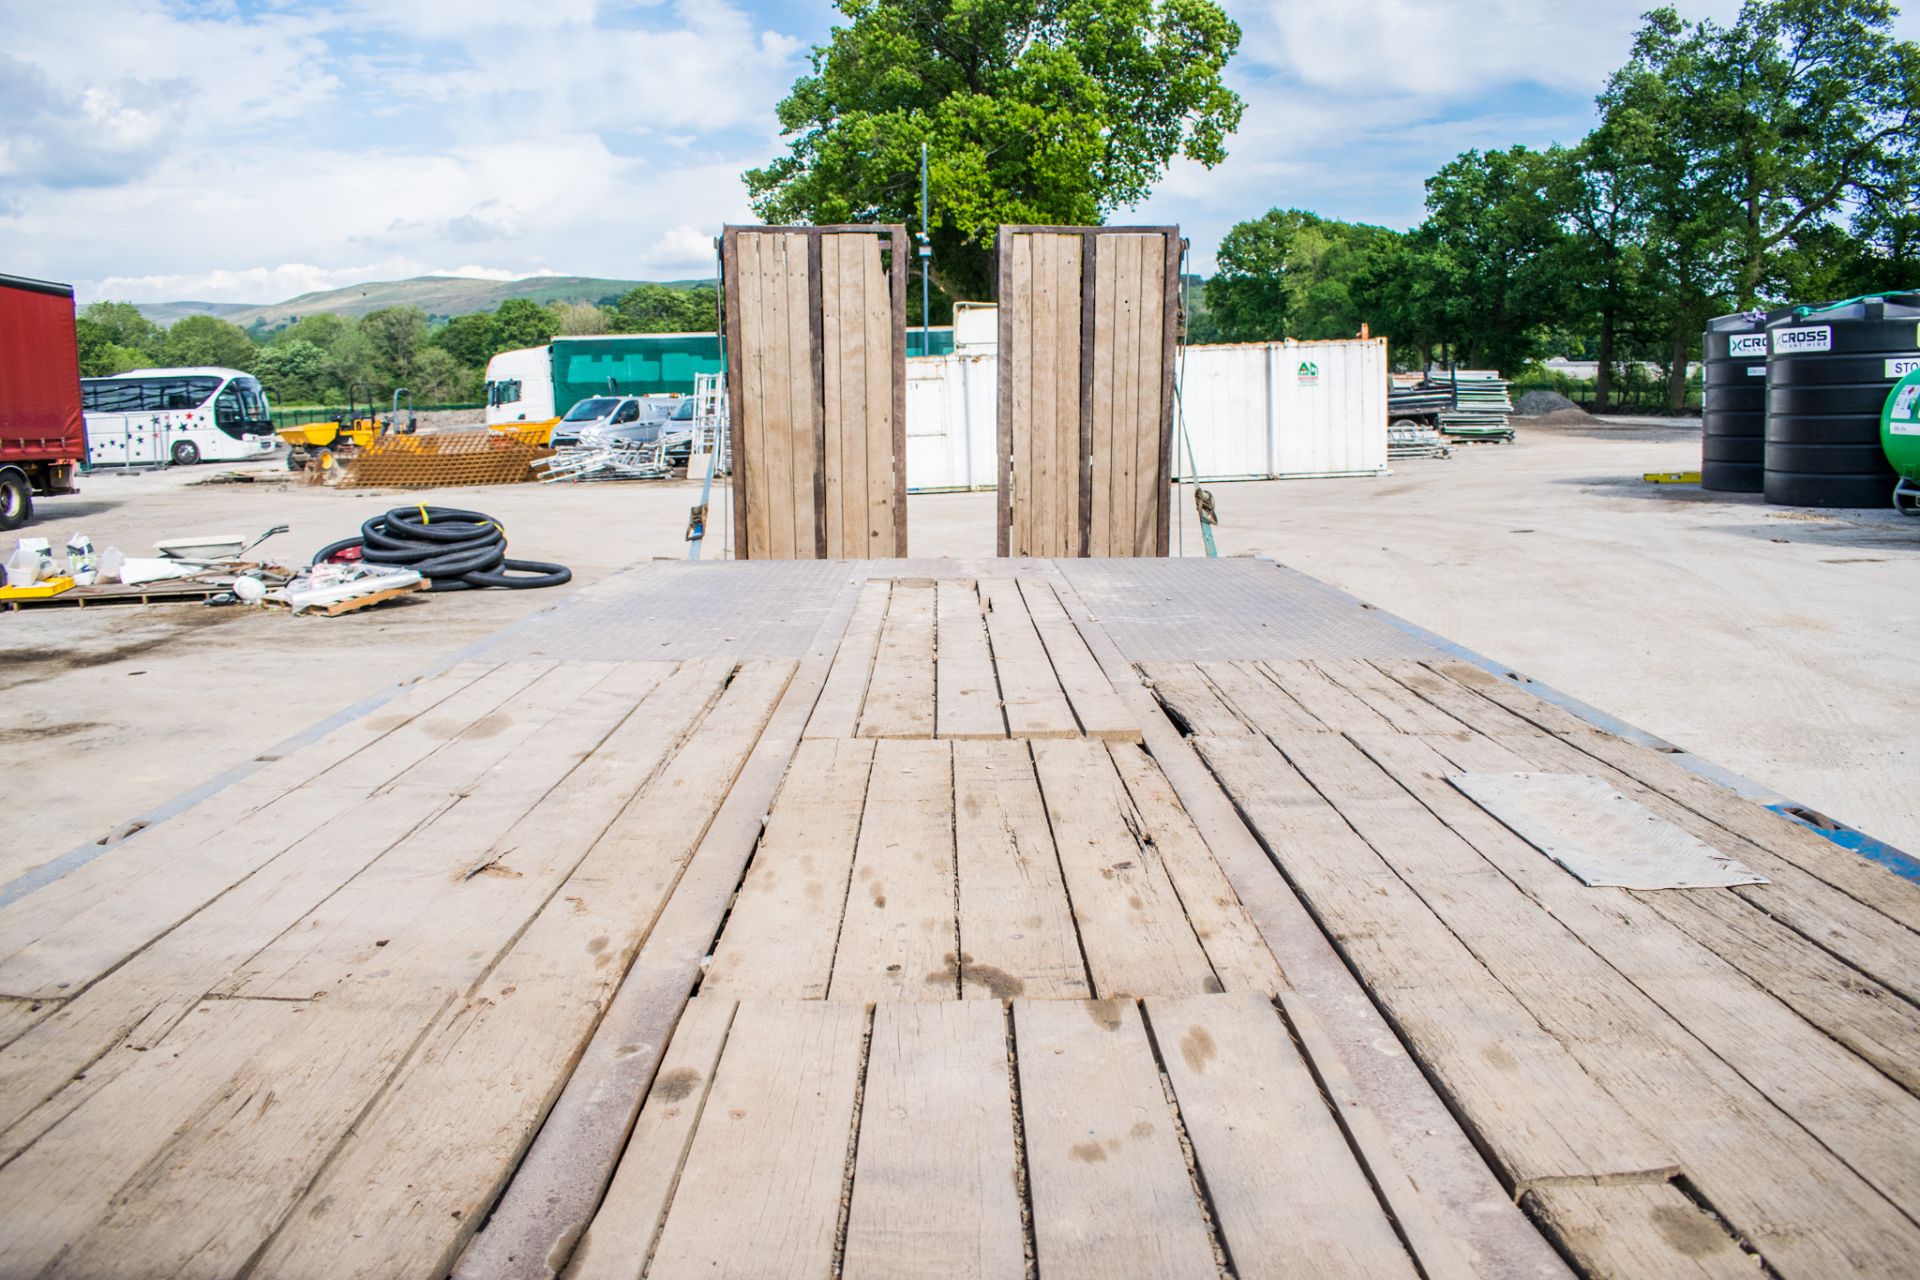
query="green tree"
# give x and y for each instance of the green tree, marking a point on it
(1490, 221)
(659, 308)
(581, 318)
(519, 323)
(1802, 111)
(438, 378)
(1605, 199)
(1035, 111)
(1290, 273)
(394, 337)
(323, 330)
(207, 340)
(121, 324)
(471, 339)
(292, 372)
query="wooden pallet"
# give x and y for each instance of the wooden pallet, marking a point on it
(172, 592)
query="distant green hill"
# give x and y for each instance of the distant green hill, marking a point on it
(438, 296)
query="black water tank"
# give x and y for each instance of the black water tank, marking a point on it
(1733, 414)
(1828, 373)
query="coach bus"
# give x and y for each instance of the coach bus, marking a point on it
(153, 417)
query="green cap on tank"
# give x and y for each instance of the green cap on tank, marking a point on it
(1900, 426)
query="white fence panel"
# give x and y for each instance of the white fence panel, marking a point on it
(952, 409)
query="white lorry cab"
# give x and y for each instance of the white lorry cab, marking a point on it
(520, 387)
(153, 417)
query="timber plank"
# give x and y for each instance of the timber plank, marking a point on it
(1195, 704)
(1390, 699)
(1259, 702)
(1120, 465)
(1234, 947)
(749, 411)
(898, 938)
(1855, 931)
(1133, 929)
(1017, 933)
(966, 691)
(1095, 704)
(420, 739)
(1020, 323)
(1330, 704)
(616, 1245)
(760, 1194)
(884, 496)
(1786, 840)
(775, 397)
(837, 713)
(1111, 1195)
(1064, 385)
(434, 1151)
(1635, 1007)
(482, 867)
(1101, 525)
(1149, 364)
(460, 763)
(1048, 520)
(1287, 1194)
(780, 936)
(934, 1191)
(843, 408)
(102, 1032)
(1631, 1230)
(1036, 706)
(803, 391)
(900, 699)
(1534, 1107)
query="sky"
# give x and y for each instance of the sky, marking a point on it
(251, 150)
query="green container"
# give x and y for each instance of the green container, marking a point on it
(1900, 427)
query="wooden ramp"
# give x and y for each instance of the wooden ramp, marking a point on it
(957, 941)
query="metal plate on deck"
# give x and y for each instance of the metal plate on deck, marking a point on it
(678, 609)
(1195, 610)
(1600, 835)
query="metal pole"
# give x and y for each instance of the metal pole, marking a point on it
(926, 261)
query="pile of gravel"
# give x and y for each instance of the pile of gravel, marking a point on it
(1536, 403)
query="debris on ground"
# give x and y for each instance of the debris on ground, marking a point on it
(456, 550)
(1534, 404)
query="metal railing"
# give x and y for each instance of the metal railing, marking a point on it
(303, 415)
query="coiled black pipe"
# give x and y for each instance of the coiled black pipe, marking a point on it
(456, 550)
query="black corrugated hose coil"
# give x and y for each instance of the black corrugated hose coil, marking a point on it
(457, 550)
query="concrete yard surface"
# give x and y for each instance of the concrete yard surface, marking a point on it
(1779, 643)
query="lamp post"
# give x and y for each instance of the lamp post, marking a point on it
(926, 262)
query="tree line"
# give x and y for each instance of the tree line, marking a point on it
(1773, 161)
(320, 359)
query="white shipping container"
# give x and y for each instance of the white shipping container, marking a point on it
(1258, 411)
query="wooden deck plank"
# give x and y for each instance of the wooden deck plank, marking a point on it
(102, 1032)
(780, 936)
(1329, 703)
(1133, 929)
(1531, 1103)
(1017, 934)
(1852, 930)
(616, 1245)
(898, 936)
(1195, 704)
(1101, 540)
(837, 713)
(1645, 1014)
(1149, 360)
(1391, 700)
(460, 763)
(424, 1163)
(934, 1193)
(1109, 1185)
(1234, 947)
(1246, 689)
(1288, 1197)
(415, 743)
(1786, 840)
(900, 698)
(842, 468)
(1627, 1231)
(760, 1194)
(885, 481)
(966, 690)
(1089, 692)
(1036, 706)
(489, 860)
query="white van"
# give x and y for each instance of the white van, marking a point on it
(153, 417)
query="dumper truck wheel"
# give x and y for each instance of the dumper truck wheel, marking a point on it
(185, 453)
(16, 500)
(296, 460)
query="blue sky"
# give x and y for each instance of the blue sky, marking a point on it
(248, 150)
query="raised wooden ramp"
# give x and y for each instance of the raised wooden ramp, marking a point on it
(976, 933)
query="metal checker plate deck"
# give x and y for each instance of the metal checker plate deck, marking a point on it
(679, 609)
(1230, 609)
